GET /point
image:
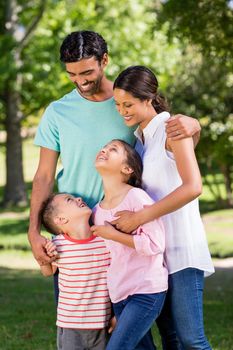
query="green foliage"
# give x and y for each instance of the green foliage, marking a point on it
(208, 23)
(127, 26)
(202, 83)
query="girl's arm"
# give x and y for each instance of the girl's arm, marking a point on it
(107, 231)
(148, 240)
(190, 188)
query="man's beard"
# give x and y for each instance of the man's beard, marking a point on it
(90, 90)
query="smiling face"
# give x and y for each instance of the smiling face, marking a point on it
(112, 156)
(112, 160)
(133, 110)
(87, 74)
(69, 207)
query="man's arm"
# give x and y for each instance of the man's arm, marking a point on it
(43, 183)
(180, 126)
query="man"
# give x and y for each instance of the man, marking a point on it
(77, 126)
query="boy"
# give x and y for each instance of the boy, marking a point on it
(84, 307)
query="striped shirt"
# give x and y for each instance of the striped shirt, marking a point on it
(83, 295)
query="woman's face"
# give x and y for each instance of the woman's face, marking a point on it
(133, 110)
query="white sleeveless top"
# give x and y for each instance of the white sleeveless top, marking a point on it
(186, 244)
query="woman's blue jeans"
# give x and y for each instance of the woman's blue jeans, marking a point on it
(183, 312)
(135, 316)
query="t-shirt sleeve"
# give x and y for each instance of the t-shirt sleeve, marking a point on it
(47, 134)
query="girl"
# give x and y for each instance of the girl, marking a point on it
(172, 178)
(137, 277)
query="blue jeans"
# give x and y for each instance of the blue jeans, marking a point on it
(135, 316)
(184, 307)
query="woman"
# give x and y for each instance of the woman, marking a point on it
(171, 177)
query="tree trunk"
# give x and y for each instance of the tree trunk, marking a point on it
(15, 189)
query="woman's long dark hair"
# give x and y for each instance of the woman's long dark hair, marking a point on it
(141, 83)
(134, 161)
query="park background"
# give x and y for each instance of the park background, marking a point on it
(188, 44)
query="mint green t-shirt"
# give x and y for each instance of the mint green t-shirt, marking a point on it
(78, 128)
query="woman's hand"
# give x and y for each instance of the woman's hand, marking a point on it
(128, 221)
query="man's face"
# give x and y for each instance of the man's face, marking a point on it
(87, 74)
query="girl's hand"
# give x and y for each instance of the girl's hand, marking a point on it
(106, 231)
(128, 221)
(50, 248)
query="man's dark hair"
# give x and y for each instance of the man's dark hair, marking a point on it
(83, 44)
(47, 213)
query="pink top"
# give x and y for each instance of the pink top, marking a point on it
(139, 270)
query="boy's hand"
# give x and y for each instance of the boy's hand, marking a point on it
(112, 324)
(51, 249)
(106, 231)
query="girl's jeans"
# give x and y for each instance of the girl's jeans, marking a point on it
(135, 316)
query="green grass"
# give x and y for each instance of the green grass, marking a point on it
(28, 311)
(219, 229)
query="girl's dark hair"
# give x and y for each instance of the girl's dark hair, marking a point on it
(134, 161)
(83, 44)
(141, 83)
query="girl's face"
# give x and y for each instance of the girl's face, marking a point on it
(111, 158)
(133, 110)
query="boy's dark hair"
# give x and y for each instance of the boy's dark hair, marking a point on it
(47, 213)
(83, 44)
(134, 162)
(141, 83)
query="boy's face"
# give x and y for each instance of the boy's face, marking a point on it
(70, 207)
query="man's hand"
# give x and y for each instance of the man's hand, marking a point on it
(38, 244)
(180, 126)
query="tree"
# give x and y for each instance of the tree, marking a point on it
(31, 34)
(202, 84)
(16, 34)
